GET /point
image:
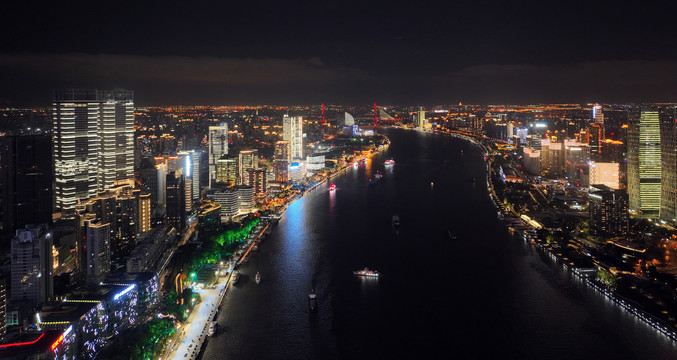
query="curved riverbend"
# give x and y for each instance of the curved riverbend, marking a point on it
(479, 294)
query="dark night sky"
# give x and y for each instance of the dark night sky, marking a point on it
(308, 52)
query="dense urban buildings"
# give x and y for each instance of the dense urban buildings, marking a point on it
(560, 166)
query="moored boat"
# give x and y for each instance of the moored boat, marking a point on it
(258, 277)
(396, 221)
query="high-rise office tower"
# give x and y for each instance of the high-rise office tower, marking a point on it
(226, 170)
(598, 115)
(644, 160)
(31, 267)
(576, 156)
(247, 159)
(94, 248)
(348, 120)
(93, 143)
(668, 211)
(420, 119)
(282, 160)
(608, 210)
(293, 132)
(218, 146)
(189, 163)
(552, 158)
(257, 179)
(176, 200)
(25, 181)
(595, 138)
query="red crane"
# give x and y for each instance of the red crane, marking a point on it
(375, 115)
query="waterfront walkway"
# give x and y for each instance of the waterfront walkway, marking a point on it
(194, 331)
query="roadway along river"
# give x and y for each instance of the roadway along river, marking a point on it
(477, 296)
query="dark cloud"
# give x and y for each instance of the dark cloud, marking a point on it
(164, 80)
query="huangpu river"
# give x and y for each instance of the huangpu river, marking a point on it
(453, 284)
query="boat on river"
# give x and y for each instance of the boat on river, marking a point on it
(367, 273)
(258, 277)
(390, 162)
(376, 180)
(396, 221)
(312, 302)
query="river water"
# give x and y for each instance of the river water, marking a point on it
(478, 295)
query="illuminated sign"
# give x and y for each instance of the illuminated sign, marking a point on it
(57, 342)
(119, 295)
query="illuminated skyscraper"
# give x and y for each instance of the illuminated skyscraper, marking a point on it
(293, 132)
(598, 115)
(282, 160)
(226, 171)
(248, 159)
(420, 119)
(218, 146)
(668, 211)
(595, 138)
(93, 143)
(644, 160)
(189, 163)
(576, 157)
(552, 158)
(256, 178)
(348, 120)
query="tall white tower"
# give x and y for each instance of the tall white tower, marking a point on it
(218, 146)
(293, 132)
(597, 114)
